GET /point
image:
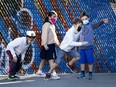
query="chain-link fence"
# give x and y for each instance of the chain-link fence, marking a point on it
(18, 16)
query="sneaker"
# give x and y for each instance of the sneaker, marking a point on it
(48, 76)
(70, 67)
(82, 76)
(41, 74)
(90, 76)
(17, 77)
(13, 77)
(56, 77)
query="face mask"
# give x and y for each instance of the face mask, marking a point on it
(79, 29)
(53, 20)
(85, 21)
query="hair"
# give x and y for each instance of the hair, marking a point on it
(49, 15)
(77, 20)
(84, 14)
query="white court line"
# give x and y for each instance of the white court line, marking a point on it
(16, 82)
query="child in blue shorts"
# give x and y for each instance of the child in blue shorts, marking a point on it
(86, 52)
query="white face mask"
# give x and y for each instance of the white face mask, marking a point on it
(86, 21)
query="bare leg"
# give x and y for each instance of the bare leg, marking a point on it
(39, 72)
(42, 63)
(52, 66)
(74, 60)
(90, 67)
(82, 75)
(90, 76)
(82, 67)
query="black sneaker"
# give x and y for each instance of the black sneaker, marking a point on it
(70, 67)
(11, 77)
(81, 76)
(90, 76)
(48, 76)
(17, 77)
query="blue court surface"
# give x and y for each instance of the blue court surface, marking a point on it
(67, 80)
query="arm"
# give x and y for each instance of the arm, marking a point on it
(76, 43)
(45, 30)
(79, 43)
(56, 40)
(23, 55)
(12, 45)
(95, 25)
(73, 42)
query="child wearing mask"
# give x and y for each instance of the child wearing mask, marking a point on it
(49, 42)
(67, 46)
(86, 52)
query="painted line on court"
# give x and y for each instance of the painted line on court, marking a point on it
(16, 82)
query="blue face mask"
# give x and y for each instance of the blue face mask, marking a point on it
(86, 21)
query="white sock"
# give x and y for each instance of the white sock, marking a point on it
(54, 73)
(39, 71)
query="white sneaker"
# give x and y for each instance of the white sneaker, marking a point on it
(56, 77)
(41, 74)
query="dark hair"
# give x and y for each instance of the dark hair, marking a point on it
(49, 15)
(84, 14)
(77, 20)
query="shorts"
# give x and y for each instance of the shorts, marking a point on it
(48, 54)
(87, 56)
(60, 55)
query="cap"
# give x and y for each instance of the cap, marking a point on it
(31, 34)
(54, 12)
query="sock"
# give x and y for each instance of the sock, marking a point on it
(39, 71)
(83, 72)
(90, 72)
(54, 73)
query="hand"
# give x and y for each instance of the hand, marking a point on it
(105, 20)
(46, 47)
(15, 59)
(84, 43)
(58, 44)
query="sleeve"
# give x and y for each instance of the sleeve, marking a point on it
(45, 30)
(23, 55)
(72, 42)
(75, 43)
(95, 25)
(12, 45)
(56, 39)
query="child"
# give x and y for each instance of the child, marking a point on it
(16, 50)
(49, 42)
(67, 46)
(86, 52)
